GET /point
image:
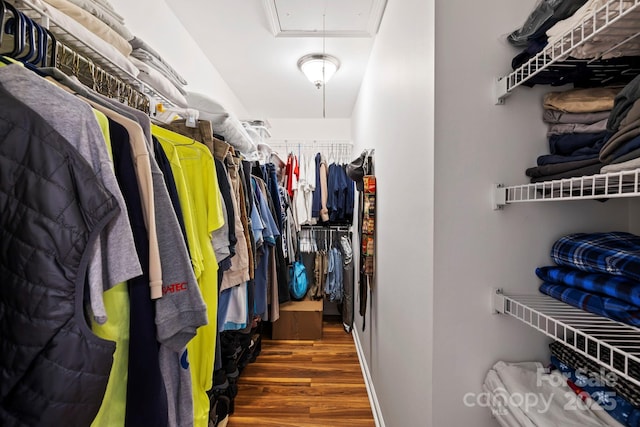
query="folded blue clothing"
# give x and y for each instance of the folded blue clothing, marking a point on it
(552, 159)
(598, 283)
(611, 308)
(580, 143)
(616, 253)
(615, 405)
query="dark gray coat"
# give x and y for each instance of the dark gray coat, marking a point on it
(53, 369)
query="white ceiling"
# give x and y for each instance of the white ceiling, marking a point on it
(256, 44)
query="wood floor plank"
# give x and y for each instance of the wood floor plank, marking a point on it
(304, 384)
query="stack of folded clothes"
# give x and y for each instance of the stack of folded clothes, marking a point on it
(95, 24)
(224, 123)
(607, 44)
(622, 150)
(617, 395)
(104, 11)
(527, 394)
(596, 60)
(591, 130)
(596, 272)
(157, 72)
(577, 122)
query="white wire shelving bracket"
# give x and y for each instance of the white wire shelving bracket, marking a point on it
(601, 22)
(601, 186)
(614, 345)
(64, 37)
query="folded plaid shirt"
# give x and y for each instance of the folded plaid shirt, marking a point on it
(604, 306)
(616, 253)
(603, 284)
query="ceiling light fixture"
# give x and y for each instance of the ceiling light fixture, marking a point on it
(318, 67)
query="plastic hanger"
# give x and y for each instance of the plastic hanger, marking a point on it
(29, 46)
(331, 158)
(40, 46)
(50, 51)
(22, 28)
(3, 12)
(14, 26)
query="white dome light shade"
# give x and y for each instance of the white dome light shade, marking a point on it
(318, 67)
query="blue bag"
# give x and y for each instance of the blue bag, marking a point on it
(298, 285)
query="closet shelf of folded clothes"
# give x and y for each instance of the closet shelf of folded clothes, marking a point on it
(71, 36)
(593, 40)
(600, 186)
(612, 344)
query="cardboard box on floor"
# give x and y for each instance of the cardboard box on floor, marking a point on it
(299, 320)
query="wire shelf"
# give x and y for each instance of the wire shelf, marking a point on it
(601, 186)
(85, 52)
(612, 344)
(605, 21)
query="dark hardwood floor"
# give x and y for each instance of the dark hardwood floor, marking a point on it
(304, 383)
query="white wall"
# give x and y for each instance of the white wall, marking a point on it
(478, 144)
(154, 22)
(394, 114)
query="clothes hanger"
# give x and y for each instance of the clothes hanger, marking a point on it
(29, 47)
(22, 28)
(50, 49)
(3, 12)
(193, 141)
(41, 44)
(196, 154)
(14, 26)
(332, 158)
(33, 38)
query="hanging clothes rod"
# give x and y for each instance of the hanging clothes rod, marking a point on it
(305, 143)
(72, 63)
(326, 227)
(312, 237)
(337, 150)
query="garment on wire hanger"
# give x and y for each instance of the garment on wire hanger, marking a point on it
(203, 215)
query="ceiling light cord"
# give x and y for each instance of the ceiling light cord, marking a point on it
(320, 67)
(324, 53)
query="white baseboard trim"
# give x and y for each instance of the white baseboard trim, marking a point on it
(371, 391)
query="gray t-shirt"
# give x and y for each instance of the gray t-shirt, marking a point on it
(114, 258)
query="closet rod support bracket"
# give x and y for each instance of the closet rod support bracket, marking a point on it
(497, 301)
(499, 197)
(501, 91)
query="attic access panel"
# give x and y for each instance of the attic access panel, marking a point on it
(343, 18)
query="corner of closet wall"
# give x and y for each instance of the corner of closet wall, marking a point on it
(155, 22)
